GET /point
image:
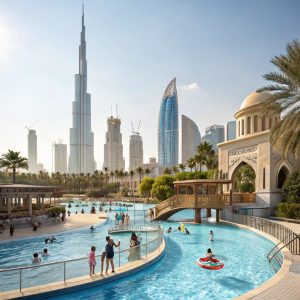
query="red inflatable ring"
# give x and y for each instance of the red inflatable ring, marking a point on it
(210, 263)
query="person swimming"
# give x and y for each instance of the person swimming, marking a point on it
(169, 230)
(50, 239)
(92, 228)
(36, 259)
(186, 231)
(211, 235)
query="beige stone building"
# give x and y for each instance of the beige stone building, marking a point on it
(252, 146)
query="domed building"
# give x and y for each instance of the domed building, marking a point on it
(252, 147)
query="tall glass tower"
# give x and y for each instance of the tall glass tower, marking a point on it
(81, 158)
(168, 127)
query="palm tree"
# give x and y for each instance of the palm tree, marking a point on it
(131, 174)
(191, 163)
(285, 99)
(181, 167)
(175, 169)
(167, 171)
(13, 160)
(140, 171)
(147, 171)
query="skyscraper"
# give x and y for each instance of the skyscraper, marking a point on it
(214, 135)
(113, 148)
(230, 131)
(168, 127)
(190, 138)
(60, 157)
(81, 158)
(32, 151)
(136, 156)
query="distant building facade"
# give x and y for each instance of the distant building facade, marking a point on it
(190, 138)
(113, 148)
(60, 158)
(32, 151)
(81, 158)
(154, 167)
(231, 131)
(41, 168)
(214, 135)
(168, 127)
(136, 156)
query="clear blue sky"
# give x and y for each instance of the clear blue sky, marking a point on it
(218, 51)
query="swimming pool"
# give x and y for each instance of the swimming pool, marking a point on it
(176, 275)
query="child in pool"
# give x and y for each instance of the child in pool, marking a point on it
(209, 254)
(92, 260)
(36, 259)
(211, 235)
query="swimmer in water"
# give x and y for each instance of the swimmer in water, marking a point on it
(211, 235)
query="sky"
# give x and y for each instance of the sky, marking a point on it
(217, 50)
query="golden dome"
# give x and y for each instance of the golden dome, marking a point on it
(254, 98)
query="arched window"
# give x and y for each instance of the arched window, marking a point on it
(243, 125)
(248, 125)
(263, 123)
(255, 124)
(282, 176)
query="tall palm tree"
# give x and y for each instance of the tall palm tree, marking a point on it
(204, 152)
(12, 160)
(181, 167)
(285, 99)
(175, 169)
(131, 174)
(147, 171)
(191, 163)
(140, 171)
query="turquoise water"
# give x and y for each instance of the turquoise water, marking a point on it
(175, 276)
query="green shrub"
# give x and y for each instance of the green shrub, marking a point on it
(291, 189)
(288, 210)
(246, 187)
(56, 211)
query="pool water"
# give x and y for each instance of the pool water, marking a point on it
(175, 276)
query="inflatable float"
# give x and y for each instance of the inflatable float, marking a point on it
(210, 263)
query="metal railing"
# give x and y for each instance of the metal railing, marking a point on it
(141, 228)
(279, 231)
(36, 275)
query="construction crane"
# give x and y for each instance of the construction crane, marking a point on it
(29, 127)
(137, 132)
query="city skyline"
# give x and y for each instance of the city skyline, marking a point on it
(45, 48)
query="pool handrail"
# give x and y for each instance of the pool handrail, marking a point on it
(159, 240)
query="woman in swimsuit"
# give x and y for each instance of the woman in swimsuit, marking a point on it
(109, 249)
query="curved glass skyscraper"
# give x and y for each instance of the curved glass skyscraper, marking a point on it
(168, 127)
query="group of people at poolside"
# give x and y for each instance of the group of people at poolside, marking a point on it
(107, 255)
(122, 218)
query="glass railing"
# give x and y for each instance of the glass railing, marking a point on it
(62, 271)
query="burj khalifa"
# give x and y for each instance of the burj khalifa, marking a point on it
(81, 159)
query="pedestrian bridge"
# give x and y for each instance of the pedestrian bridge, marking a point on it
(200, 194)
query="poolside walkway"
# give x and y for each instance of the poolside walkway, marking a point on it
(287, 285)
(72, 222)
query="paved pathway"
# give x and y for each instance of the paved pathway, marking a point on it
(73, 222)
(288, 287)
